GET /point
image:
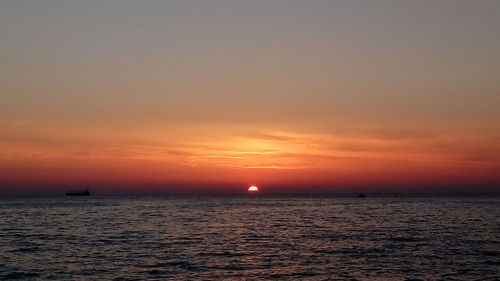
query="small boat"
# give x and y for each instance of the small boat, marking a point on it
(78, 193)
(361, 195)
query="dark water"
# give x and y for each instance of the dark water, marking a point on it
(250, 238)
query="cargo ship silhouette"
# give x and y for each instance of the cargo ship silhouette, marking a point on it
(78, 193)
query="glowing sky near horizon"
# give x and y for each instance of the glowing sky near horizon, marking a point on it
(210, 96)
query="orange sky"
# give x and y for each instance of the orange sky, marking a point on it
(295, 96)
(225, 158)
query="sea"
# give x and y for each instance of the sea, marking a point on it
(249, 237)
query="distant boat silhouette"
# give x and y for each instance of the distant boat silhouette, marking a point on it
(361, 195)
(78, 193)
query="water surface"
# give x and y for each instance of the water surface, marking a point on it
(249, 238)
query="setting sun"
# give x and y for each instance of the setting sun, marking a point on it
(253, 188)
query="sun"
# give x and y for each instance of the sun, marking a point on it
(253, 188)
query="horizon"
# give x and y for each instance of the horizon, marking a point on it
(268, 191)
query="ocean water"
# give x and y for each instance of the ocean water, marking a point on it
(249, 238)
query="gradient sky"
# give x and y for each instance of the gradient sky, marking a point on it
(210, 96)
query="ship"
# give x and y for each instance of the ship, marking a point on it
(78, 193)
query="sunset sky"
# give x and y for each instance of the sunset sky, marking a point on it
(211, 96)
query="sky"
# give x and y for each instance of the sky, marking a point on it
(141, 97)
